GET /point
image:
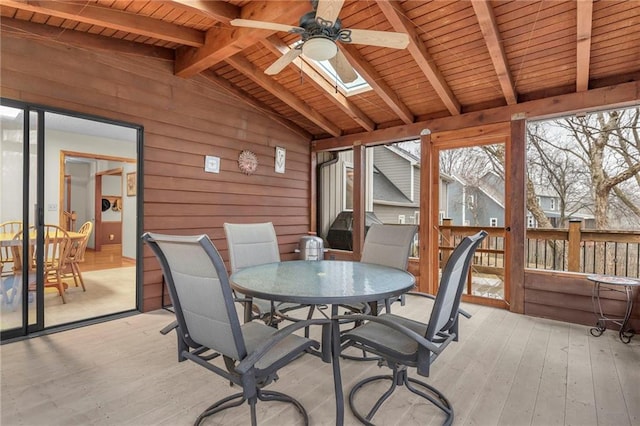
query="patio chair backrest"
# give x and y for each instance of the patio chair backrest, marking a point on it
(200, 292)
(251, 244)
(444, 315)
(388, 245)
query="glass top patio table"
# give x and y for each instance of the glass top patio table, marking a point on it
(330, 282)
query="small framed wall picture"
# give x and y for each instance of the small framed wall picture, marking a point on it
(281, 155)
(132, 183)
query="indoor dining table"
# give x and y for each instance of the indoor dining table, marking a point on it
(7, 240)
(326, 282)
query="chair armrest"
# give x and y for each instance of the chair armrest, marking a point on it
(432, 297)
(276, 338)
(400, 328)
(169, 327)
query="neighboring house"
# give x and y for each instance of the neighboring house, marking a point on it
(396, 185)
(476, 203)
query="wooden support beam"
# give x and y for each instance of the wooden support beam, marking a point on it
(278, 47)
(223, 42)
(583, 47)
(217, 10)
(515, 213)
(377, 83)
(114, 19)
(258, 76)
(395, 15)
(26, 29)
(618, 96)
(491, 34)
(255, 103)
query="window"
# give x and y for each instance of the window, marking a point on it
(401, 219)
(493, 221)
(470, 200)
(531, 223)
(348, 189)
(552, 203)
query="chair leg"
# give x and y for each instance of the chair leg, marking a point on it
(79, 274)
(400, 378)
(238, 398)
(60, 287)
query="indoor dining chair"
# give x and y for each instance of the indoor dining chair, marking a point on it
(8, 229)
(209, 330)
(76, 254)
(252, 244)
(402, 342)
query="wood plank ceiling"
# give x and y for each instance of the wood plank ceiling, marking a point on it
(462, 56)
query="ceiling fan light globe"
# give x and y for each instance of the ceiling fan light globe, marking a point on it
(319, 49)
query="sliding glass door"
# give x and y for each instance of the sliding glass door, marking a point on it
(67, 257)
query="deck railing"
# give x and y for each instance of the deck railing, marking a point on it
(570, 249)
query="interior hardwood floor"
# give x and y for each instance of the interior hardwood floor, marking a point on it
(108, 257)
(507, 369)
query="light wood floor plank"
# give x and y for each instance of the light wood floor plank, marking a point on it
(550, 402)
(520, 403)
(506, 369)
(610, 405)
(489, 405)
(580, 402)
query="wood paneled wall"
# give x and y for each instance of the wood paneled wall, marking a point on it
(183, 120)
(566, 296)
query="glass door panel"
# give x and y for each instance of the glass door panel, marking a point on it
(472, 197)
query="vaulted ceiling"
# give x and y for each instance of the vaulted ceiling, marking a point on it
(462, 56)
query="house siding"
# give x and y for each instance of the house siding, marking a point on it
(183, 120)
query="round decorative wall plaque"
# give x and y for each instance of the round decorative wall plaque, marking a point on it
(247, 162)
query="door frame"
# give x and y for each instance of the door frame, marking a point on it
(26, 329)
(432, 144)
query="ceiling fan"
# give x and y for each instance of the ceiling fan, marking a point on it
(320, 30)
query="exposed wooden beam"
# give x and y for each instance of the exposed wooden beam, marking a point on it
(489, 28)
(395, 15)
(247, 68)
(223, 42)
(113, 19)
(583, 56)
(251, 101)
(278, 47)
(377, 83)
(217, 10)
(619, 96)
(27, 29)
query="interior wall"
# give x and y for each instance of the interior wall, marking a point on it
(183, 120)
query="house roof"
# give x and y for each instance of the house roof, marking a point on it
(384, 191)
(462, 56)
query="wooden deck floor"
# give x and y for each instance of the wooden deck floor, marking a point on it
(507, 369)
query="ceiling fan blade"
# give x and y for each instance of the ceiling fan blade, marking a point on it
(329, 9)
(343, 68)
(265, 25)
(379, 38)
(282, 62)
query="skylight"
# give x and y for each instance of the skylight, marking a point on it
(359, 85)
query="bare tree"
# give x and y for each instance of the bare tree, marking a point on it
(607, 143)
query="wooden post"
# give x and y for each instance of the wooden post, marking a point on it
(447, 240)
(359, 205)
(515, 212)
(574, 245)
(428, 236)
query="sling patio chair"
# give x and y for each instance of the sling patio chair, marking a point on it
(208, 327)
(402, 342)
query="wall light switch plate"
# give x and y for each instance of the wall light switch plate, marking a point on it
(212, 164)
